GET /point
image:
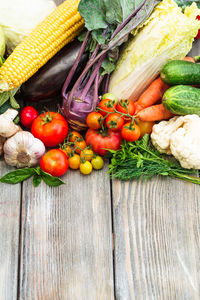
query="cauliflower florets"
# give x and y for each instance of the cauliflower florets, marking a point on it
(161, 134)
(180, 137)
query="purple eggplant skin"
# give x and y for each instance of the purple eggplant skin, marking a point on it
(46, 84)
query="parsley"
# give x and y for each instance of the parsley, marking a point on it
(141, 160)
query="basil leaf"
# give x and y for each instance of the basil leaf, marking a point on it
(17, 176)
(37, 180)
(51, 180)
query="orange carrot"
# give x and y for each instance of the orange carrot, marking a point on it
(151, 95)
(154, 113)
(188, 58)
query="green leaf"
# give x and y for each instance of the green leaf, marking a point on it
(108, 66)
(13, 102)
(51, 180)
(184, 3)
(93, 12)
(4, 107)
(37, 180)
(141, 16)
(17, 176)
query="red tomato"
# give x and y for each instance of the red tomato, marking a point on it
(198, 34)
(114, 122)
(28, 115)
(51, 128)
(94, 120)
(54, 162)
(107, 105)
(126, 106)
(130, 132)
(100, 141)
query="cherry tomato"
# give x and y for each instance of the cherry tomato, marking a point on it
(54, 162)
(97, 162)
(74, 135)
(114, 121)
(51, 128)
(86, 168)
(126, 106)
(28, 115)
(87, 154)
(66, 149)
(130, 132)
(94, 120)
(102, 141)
(74, 162)
(79, 145)
(198, 34)
(145, 127)
(110, 96)
(107, 105)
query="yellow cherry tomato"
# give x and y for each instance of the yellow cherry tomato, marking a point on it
(86, 168)
(74, 162)
(87, 154)
(97, 163)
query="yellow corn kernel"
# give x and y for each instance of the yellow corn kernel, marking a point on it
(58, 29)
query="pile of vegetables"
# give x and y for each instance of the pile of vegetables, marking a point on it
(127, 72)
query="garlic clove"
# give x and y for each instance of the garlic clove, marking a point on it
(7, 126)
(2, 141)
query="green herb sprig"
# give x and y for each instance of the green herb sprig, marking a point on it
(141, 160)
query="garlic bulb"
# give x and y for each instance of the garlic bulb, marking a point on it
(23, 150)
(2, 141)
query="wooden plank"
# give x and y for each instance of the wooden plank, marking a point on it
(67, 241)
(10, 198)
(157, 238)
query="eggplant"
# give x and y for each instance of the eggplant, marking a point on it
(46, 84)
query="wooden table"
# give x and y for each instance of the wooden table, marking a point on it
(97, 239)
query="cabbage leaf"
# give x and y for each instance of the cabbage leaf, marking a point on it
(166, 35)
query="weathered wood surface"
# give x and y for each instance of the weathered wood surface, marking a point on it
(157, 238)
(10, 197)
(66, 240)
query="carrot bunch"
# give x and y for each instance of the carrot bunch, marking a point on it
(146, 110)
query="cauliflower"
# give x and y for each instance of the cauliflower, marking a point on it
(180, 136)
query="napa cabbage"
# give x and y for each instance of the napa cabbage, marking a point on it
(166, 35)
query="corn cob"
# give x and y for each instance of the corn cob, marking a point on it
(58, 29)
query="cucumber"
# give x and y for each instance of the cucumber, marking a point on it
(181, 72)
(182, 100)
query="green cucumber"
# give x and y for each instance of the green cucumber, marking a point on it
(182, 100)
(181, 72)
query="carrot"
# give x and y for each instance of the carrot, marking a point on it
(188, 58)
(154, 113)
(151, 95)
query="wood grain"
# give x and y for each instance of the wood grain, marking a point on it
(157, 238)
(67, 241)
(9, 236)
